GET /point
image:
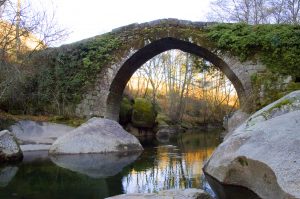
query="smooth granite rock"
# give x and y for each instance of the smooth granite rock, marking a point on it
(31, 132)
(236, 120)
(97, 135)
(9, 149)
(263, 154)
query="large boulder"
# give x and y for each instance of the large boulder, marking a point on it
(33, 132)
(263, 154)
(36, 136)
(167, 194)
(9, 149)
(143, 113)
(97, 135)
(166, 132)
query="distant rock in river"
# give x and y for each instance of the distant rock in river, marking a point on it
(9, 149)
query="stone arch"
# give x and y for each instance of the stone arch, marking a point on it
(141, 42)
(149, 51)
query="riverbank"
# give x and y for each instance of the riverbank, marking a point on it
(8, 119)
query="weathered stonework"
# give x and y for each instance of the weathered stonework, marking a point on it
(146, 40)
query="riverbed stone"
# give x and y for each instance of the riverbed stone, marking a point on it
(164, 133)
(138, 132)
(9, 149)
(97, 135)
(263, 153)
(167, 194)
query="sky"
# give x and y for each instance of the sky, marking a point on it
(88, 18)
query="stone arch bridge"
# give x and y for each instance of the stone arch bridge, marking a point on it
(143, 42)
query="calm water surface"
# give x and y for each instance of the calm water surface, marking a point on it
(173, 164)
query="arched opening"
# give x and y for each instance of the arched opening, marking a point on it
(149, 51)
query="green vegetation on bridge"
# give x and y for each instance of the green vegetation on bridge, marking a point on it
(62, 75)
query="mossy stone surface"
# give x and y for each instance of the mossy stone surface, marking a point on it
(143, 114)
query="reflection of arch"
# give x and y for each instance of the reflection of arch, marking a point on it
(149, 51)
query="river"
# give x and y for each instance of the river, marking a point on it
(176, 163)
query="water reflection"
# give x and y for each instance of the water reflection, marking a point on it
(7, 174)
(95, 165)
(177, 164)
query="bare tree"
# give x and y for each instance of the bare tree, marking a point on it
(189, 87)
(278, 11)
(256, 11)
(22, 32)
(293, 7)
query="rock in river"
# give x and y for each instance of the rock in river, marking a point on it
(263, 154)
(97, 135)
(9, 149)
(167, 194)
(33, 132)
(35, 136)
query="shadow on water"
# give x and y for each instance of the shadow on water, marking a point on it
(175, 164)
(230, 191)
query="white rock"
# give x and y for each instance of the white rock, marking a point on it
(97, 135)
(31, 132)
(237, 119)
(35, 147)
(263, 154)
(9, 148)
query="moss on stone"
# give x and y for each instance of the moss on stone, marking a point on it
(68, 72)
(143, 114)
(70, 121)
(280, 104)
(243, 161)
(162, 120)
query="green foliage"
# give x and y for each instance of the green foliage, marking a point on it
(162, 119)
(272, 86)
(277, 46)
(71, 121)
(243, 161)
(143, 114)
(64, 74)
(5, 123)
(125, 111)
(281, 104)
